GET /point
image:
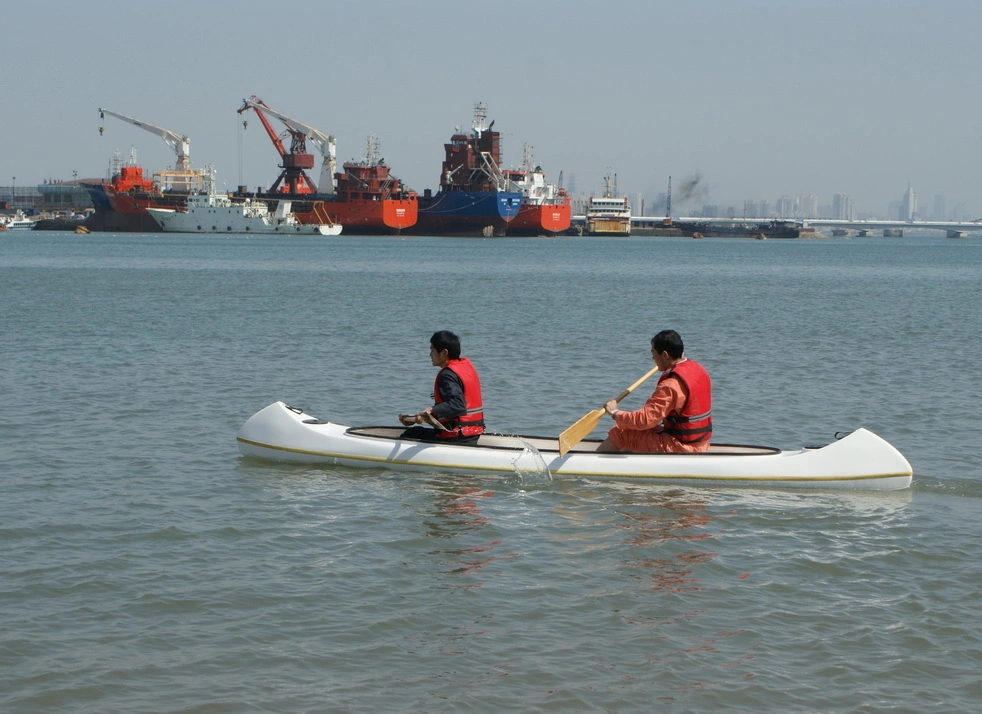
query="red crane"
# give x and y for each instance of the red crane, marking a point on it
(293, 179)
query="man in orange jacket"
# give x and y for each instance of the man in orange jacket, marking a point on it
(677, 418)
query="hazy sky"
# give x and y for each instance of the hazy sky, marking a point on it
(759, 98)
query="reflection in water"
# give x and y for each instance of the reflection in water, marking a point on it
(456, 510)
(457, 513)
(668, 518)
(669, 532)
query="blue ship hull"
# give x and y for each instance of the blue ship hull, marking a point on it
(97, 194)
(108, 219)
(467, 212)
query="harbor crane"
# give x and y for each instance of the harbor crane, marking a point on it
(297, 159)
(181, 145)
(293, 179)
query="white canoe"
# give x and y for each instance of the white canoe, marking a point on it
(860, 460)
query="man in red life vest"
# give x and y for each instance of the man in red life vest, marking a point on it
(677, 418)
(457, 404)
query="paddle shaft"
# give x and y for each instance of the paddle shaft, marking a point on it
(578, 431)
(637, 384)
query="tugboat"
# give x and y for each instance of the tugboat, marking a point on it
(364, 198)
(475, 197)
(545, 207)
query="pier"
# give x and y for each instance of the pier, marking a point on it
(660, 226)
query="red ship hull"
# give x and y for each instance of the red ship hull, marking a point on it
(127, 212)
(120, 206)
(362, 216)
(542, 219)
(382, 207)
(368, 201)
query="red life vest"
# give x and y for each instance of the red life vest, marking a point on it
(695, 423)
(472, 422)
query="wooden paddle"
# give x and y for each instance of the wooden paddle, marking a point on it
(576, 433)
(427, 418)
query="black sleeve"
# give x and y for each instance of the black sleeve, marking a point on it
(452, 393)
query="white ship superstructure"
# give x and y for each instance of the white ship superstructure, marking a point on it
(16, 222)
(608, 214)
(218, 213)
(530, 180)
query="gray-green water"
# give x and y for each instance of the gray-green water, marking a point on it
(146, 567)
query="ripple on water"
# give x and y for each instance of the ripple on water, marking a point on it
(147, 566)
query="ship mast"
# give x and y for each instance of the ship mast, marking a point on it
(489, 165)
(608, 192)
(480, 115)
(372, 153)
(526, 158)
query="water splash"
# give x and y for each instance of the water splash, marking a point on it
(529, 465)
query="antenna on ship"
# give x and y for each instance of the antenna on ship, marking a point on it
(372, 154)
(526, 157)
(480, 115)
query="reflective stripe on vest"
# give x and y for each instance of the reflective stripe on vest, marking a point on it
(471, 423)
(695, 423)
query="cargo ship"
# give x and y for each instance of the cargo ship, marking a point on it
(475, 197)
(546, 208)
(121, 202)
(364, 197)
(762, 229)
(368, 199)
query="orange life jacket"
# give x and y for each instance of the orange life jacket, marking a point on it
(472, 422)
(695, 423)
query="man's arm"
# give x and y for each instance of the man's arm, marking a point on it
(451, 391)
(669, 397)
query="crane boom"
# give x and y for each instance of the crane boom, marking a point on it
(181, 145)
(324, 142)
(293, 179)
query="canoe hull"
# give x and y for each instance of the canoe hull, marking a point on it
(860, 460)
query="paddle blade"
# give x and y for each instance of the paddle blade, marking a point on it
(576, 433)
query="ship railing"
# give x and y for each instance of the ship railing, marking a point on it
(494, 173)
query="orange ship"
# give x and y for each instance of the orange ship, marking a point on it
(546, 209)
(536, 219)
(368, 199)
(121, 203)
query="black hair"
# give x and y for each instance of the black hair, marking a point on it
(668, 341)
(446, 340)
